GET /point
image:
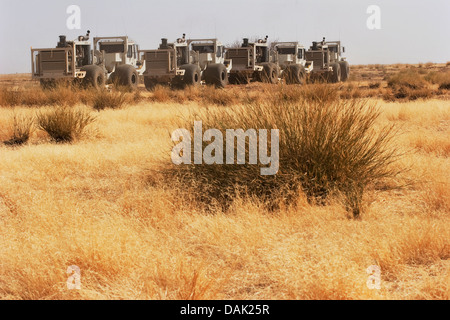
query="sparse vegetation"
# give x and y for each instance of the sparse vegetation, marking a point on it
(22, 127)
(101, 204)
(326, 146)
(407, 78)
(64, 124)
(67, 96)
(413, 83)
(104, 99)
(374, 85)
(438, 77)
(58, 96)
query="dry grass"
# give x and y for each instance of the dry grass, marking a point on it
(441, 78)
(64, 124)
(392, 82)
(407, 78)
(97, 204)
(22, 127)
(326, 146)
(66, 96)
(105, 99)
(414, 83)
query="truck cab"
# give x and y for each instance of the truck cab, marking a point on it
(115, 51)
(65, 61)
(328, 61)
(290, 53)
(208, 51)
(252, 61)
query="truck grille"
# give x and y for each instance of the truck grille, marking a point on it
(158, 62)
(240, 57)
(317, 58)
(53, 61)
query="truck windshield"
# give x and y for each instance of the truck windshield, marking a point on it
(286, 50)
(112, 48)
(203, 48)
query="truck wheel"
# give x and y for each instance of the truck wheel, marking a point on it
(294, 74)
(217, 75)
(270, 73)
(95, 77)
(345, 70)
(126, 75)
(336, 73)
(192, 76)
(150, 83)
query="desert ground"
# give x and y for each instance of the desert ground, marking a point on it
(104, 202)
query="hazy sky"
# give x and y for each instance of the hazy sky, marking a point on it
(411, 31)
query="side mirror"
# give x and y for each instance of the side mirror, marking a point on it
(343, 49)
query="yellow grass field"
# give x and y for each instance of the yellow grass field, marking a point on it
(94, 203)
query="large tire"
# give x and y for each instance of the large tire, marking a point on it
(294, 74)
(216, 75)
(345, 70)
(192, 75)
(95, 77)
(270, 73)
(150, 83)
(336, 73)
(127, 76)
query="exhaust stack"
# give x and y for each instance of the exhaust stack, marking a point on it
(163, 44)
(62, 42)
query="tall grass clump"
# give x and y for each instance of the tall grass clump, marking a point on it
(326, 148)
(108, 99)
(9, 97)
(317, 93)
(161, 94)
(217, 96)
(408, 84)
(409, 78)
(35, 96)
(64, 124)
(442, 78)
(22, 127)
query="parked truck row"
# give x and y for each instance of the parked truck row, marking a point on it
(186, 62)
